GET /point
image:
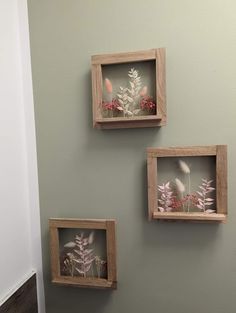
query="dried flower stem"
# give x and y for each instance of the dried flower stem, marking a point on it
(186, 170)
(181, 189)
(203, 200)
(189, 189)
(166, 195)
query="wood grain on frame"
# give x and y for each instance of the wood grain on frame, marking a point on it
(54, 249)
(182, 151)
(161, 84)
(192, 216)
(77, 223)
(221, 179)
(124, 57)
(111, 253)
(96, 91)
(87, 282)
(152, 185)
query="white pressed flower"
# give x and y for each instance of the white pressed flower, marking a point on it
(210, 211)
(167, 185)
(180, 186)
(203, 199)
(165, 199)
(70, 244)
(90, 238)
(71, 256)
(184, 167)
(129, 97)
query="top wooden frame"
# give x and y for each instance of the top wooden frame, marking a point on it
(153, 160)
(157, 119)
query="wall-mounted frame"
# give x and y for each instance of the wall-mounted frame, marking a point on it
(187, 183)
(83, 252)
(129, 89)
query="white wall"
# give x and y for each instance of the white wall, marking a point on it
(19, 205)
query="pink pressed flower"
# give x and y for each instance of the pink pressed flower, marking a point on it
(112, 105)
(108, 85)
(148, 104)
(166, 196)
(203, 196)
(143, 92)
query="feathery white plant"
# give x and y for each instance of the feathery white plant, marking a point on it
(204, 201)
(100, 265)
(125, 101)
(186, 170)
(180, 188)
(165, 200)
(84, 256)
(70, 244)
(135, 83)
(184, 167)
(69, 264)
(128, 97)
(81, 259)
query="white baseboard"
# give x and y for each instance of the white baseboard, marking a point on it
(10, 292)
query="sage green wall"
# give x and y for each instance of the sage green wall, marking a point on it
(83, 172)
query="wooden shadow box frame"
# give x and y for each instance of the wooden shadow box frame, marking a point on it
(55, 224)
(220, 153)
(157, 119)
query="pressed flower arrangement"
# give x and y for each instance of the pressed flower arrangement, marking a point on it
(79, 257)
(188, 183)
(130, 101)
(132, 98)
(83, 252)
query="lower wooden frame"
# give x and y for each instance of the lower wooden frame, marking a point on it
(192, 216)
(135, 122)
(87, 282)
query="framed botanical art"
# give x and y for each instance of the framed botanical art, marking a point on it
(129, 89)
(83, 252)
(187, 183)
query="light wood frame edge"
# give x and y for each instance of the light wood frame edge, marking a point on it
(221, 179)
(54, 251)
(96, 92)
(161, 84)
(124, 57)
(181, 151)
(111, 253)
(84, 283)
(152, 185)
(193, 216)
